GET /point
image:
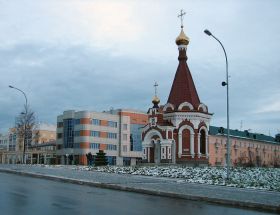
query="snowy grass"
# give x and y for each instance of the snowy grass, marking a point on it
(255, 178)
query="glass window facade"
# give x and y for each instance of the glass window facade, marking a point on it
(59, 135)
(68, 133)
(126, 161)
(135, 137)
(77, 145)
(111, 160)
(77, 121)
(77, 133)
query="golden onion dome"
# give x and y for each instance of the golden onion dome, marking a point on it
(182, 39)
(156, 100)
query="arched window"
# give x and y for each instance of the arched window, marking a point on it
(202, 142)
(185, 106)
(203, 108)
(186, 140)
(168, 107)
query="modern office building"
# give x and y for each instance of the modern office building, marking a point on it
(116, 132)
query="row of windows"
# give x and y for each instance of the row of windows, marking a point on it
(96, 122)
(93, 134)
(3, 141)
(241, 144)
(94, 145)
(110, 147)
(112, 124)
(112, 135)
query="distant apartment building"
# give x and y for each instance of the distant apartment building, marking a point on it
(246, 148)
(4, 141)
(116, 132)
(11, 145)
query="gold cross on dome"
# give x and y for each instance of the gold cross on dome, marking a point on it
(182, 13)
(156, 85)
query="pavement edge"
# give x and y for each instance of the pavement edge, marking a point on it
(226, 202)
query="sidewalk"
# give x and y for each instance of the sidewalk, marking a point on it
(246, 198)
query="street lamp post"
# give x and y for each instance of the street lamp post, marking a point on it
(224, 84)
(25, 116)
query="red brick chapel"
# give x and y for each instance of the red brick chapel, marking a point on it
(178, 131)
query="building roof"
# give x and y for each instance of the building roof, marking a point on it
(183, 88)
(39, 145)
(213, 130)
(46, 127)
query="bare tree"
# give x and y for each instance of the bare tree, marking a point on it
(252, 160)
(258, 161)
(25, 126)
(242, 159)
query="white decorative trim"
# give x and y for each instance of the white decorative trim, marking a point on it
(204, 107)
(144, 155)
(180, 47)
(153, 121)
(147, 139)
(151, 133)
(184, 104)
(163, 152)
(166, 142)
(207, 145)
(145, 128)
(198, 145)
(163, 128)
(167, 106)
(194, 117)
(173, 152)
(192, 145)
(180, 145)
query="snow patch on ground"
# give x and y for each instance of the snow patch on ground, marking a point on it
(254, 178)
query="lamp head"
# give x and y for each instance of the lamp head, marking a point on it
(11, 86)
(206, 31)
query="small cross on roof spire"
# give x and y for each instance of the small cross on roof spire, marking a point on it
(181, 15)
(156, 85)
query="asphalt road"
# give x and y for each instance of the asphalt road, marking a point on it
(20, 195)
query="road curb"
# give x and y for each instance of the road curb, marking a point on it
(235, 203)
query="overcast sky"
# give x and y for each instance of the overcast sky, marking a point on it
(94, 55)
